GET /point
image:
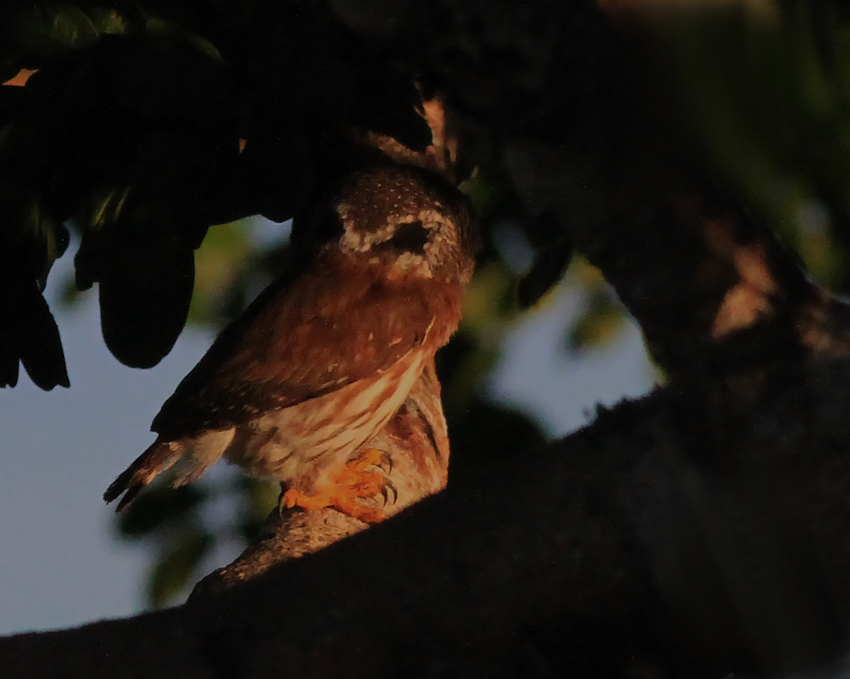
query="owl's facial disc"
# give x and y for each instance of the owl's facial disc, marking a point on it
(403, 246)
(400, 224)
(409, 237)
(403, 250)
(397, 235)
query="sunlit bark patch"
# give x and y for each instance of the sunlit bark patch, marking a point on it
(749, 299)
(822, 325)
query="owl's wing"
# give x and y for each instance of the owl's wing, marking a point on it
(303, 337)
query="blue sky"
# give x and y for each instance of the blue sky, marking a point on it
(59, 450)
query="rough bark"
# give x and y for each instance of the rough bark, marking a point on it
(681, 534)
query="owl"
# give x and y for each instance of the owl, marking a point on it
(327, 354)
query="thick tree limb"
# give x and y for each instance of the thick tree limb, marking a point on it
(702, 529)
(447, 583)
(680, 532)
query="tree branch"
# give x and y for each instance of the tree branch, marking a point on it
(681, 532)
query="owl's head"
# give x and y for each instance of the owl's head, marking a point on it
(402, 223)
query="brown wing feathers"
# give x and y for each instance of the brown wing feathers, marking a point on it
(277, 356)
(308, 340)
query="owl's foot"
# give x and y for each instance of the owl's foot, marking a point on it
(351, 483)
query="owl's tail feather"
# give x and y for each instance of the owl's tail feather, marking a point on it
(156, 459)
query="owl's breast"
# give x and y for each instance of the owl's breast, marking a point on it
(296, 445)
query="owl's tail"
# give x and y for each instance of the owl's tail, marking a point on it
(194, 454)
(156, 459)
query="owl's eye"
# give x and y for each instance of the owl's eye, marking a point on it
(409, 237)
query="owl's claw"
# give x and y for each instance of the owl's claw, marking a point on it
(388, 461)
(371, 457)
(351, 483)
(388, 487)
(383, 461)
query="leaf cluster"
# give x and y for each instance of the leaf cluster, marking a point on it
(139, 132)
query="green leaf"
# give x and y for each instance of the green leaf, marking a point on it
(488, 195)
(88, 262)
(490, 296)
(219, 264)
(109, 21)
(176, 565)
(106, 206)
(31, 236)
(48, 29)
(139, 236)
(159, 508)
(166, 77)
(145, 294)
(548, 269)
(29, 333)
(168, 30)
(257, 498)
(599, 323)
(41, 346)
(9, 359)
(30, 241)
(274, 173)
(50, 240)
(71, 26)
